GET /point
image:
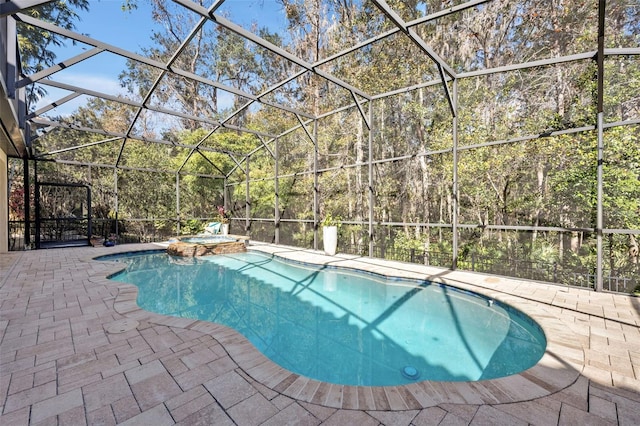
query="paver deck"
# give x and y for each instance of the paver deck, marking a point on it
(76, 349)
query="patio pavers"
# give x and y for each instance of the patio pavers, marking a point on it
(76, 349)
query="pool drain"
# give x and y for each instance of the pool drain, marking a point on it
(410, 372)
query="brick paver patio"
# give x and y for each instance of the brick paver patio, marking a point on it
(76, 349)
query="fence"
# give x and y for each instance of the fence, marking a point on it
(558, 273)
(147, 230)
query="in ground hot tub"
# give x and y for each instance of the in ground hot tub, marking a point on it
(206, 245)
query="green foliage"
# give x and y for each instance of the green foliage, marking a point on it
(192, 227)
(404, 242)
(331, 220)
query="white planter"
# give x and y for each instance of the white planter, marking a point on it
(330, 239)
(224, 229)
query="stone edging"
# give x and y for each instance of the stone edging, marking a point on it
(559, 367)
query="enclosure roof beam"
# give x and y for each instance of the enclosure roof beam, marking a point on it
(147, 61)
(196, 146)
(136, 169)
(238, 164)
(532, 64)
(216, 123)
(159, 78)
(362, 113)
(413, 36)
(247, 105)
(220, 20)
(264, 144)
(304, 127)
(408, 89)
(137, 104)
(365, 43)
(88, 92)
(53, 105)
(446, 12)
(622, 51)
(208, 161)
(73, 148)
(15, 6)
(242, 108)
(33, 78)
(286, 132)
(400, 23)
(44, 122)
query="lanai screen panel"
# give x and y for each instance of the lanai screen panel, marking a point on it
(103, 192)
(144, 195)
(537, 255)
(383, 66)
(414, 190)
(310, 94)
(262, 185)
(520, 103)
(524, 184)
(199, 198)
(622, 24)
(296, 188)
(622, 89)
(343, 140)
(621, 174)
(262, 194)
(495, 34)
(411, 123)
(619, 267)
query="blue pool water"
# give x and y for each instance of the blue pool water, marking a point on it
(339, 326)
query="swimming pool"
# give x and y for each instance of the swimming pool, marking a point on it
(340, 326)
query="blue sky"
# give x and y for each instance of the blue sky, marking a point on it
(130, 30)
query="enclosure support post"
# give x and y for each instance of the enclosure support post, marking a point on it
(600, 148)
(36, 195)
(454, 186)
(115, 191)
(276, 188)
(370, 167)
(225, 196)
(27, 204)
(89, 215)
(316, 201)
(247, 223)
(177, 203)
(600, 213)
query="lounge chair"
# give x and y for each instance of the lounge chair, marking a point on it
(212, 228)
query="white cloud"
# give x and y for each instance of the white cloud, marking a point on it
(93, 82)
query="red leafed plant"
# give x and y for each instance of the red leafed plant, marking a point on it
(223, 215)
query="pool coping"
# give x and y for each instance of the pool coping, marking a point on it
(560, 366)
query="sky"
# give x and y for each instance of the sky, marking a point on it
(130, 30)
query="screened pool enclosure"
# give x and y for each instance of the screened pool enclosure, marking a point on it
(495, 136)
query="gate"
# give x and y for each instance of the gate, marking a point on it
(63, 214)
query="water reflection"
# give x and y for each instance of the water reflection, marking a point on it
(341, 327)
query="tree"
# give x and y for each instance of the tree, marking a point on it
(37, 45)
